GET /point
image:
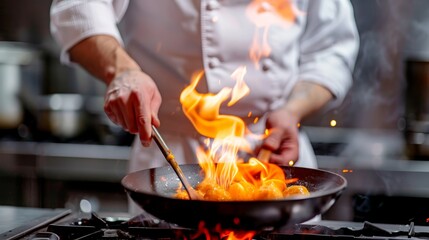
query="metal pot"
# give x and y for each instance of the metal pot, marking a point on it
(417, 109)
(62, 115)
(13, 56)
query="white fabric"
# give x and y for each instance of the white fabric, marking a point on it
(73, 21)
(171, 39)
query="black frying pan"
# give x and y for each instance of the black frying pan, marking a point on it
(154, 189)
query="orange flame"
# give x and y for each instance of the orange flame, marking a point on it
(263, 14)
(230, 235)
(240, 88)
(225, 177)
(203, 110)
(202, 231)
(226, 130)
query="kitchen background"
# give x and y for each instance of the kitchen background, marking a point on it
(58, 149)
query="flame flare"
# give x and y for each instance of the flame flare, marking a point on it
(264, 14)
(226, 176)
(226, 130)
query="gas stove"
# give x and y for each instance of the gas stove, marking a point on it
(146, 227)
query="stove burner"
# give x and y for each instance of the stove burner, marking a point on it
(146, 227)
(139, 227)
(368, 231)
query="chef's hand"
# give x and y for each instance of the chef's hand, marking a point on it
(132, 101)
(282, 139)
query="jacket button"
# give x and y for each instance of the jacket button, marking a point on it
(265, 65)
(214, 62)
(212, 5)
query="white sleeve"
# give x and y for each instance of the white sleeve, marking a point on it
(75, 20)
(329, 46)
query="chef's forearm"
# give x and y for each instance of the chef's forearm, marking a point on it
(306, 98)
(103, 57)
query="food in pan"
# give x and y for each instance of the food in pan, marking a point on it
(254, 181)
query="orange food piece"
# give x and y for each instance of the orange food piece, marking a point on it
(268, 192)
(254, 181)
(242, 191)
(296, 190)
(217, 193)
(275, 183)
(182, 195)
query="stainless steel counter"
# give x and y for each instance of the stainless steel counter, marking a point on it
(16, 222)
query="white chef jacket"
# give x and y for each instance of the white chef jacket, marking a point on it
(172, 39)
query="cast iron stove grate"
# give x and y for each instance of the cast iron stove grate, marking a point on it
(143, 227)
(139, 227)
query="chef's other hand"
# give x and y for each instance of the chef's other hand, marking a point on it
(282, 139)
(305, 99)
(132, 101)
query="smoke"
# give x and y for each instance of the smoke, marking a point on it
(375, 100)
(372, 115)
(417, 37)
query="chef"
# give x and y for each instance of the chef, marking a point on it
(150, 58)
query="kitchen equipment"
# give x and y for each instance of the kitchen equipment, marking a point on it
(170, 159)
(62, 115)
(417, 109)
(153, 190)
(16, 222)
(14, 56)
(144, 227)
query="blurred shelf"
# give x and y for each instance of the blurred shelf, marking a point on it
(64, 161)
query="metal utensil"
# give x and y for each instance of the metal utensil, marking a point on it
(193, 195)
